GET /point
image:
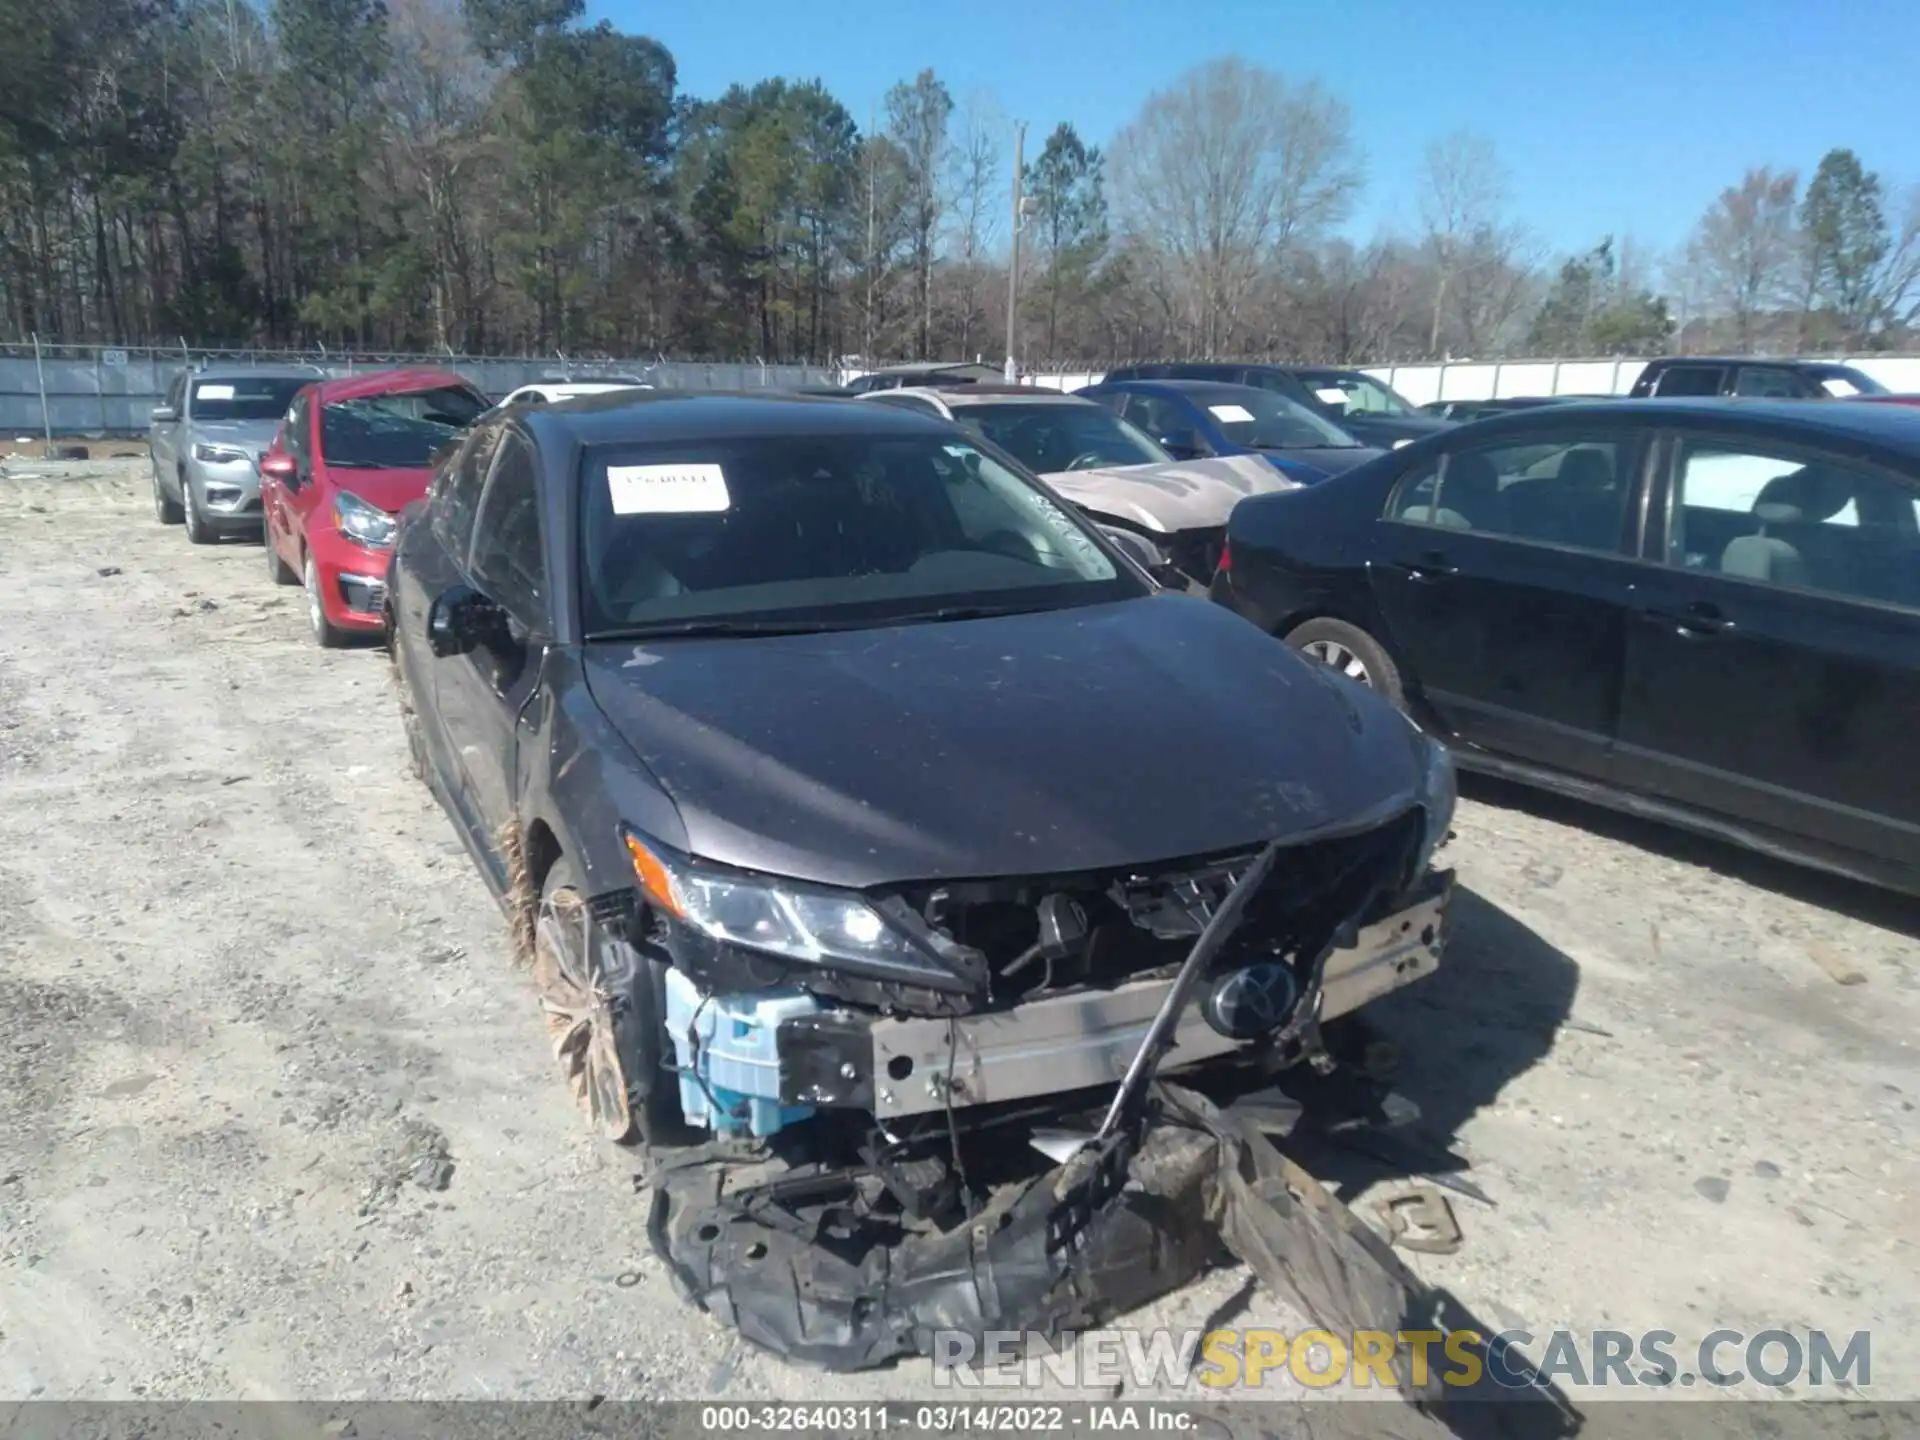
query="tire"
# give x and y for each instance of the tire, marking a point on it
(165, 509)
(198, 532)
(328, 635)
(615, 1069)
(1353, 652)
(278, 571)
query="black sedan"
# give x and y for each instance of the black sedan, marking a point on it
(1702, 611)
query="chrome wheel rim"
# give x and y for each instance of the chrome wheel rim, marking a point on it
(1332, 652)
(316, 612)
(192, 515)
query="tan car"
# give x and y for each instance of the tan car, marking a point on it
(1108, 468)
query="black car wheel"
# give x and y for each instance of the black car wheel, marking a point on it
(165, 509)
(1351, 651)
(605, 1012)
(278, 571)
(198, 531)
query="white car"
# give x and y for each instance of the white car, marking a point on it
(546, 392)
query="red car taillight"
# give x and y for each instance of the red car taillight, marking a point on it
(1226, 558)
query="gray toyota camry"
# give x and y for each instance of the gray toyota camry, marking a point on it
(858, 804)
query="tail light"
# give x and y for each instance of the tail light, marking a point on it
(1226, 558)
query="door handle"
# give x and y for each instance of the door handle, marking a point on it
(1701, 618)
(1428, 566)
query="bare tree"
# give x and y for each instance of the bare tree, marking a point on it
(1744, 253)
(1225, 170)
(917, 117)
(976, 182)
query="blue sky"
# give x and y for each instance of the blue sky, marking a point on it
(1623, 116)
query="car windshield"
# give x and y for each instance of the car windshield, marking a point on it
(1358, 394)
(1263, 420)
(823, 531)
(1843, 380)
(397, 431)
(1049, 439)
(246, 397)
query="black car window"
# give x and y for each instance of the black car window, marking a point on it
(506, 538)
(855, 527)
(299, 415)
(1795, 518)
(1052, 438)
(244, 397)
(1566, 489)
(1757, 381)
(456, 492)
(1690, 380)
(397, 430)
(1158, 416)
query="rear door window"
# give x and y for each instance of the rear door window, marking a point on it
(1758, 381)
(1690, 380)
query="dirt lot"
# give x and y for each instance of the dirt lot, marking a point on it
(276, 1118)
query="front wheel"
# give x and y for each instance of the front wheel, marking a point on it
(1351, 651)
(605, 1016)
(329, 635)
(198, 531)
(165, 509)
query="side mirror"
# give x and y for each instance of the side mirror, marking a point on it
(462, 620)
(163, 414)
(1183, 444)
(1148, 556)
(281, 467)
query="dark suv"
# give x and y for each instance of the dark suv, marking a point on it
(1700, 376)
(1372, 412)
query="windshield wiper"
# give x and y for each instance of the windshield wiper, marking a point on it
(961, 612)
(697, 629)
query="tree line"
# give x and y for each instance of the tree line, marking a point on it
(498, 176)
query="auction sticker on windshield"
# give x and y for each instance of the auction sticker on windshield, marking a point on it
(1230, 414)
(667, 489)
(213, 392)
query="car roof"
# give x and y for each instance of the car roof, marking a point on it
(1786, 362)
(387, 382)
(619, 417)
(1003, 394)
(265, 372)
(1197, 389)
(1896, 426)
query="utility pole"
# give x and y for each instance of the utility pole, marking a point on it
(1013, 271)
(866, 345)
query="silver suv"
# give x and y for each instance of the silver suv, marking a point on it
(207, 437)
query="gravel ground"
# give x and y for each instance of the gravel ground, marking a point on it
(276, 1117)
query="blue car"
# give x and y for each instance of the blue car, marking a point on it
(1193, 418)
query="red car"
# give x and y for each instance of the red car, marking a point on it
(348, 457)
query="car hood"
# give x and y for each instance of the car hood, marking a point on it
(1329, 460)
(391, 489)
(1178, 495)
(1089, 738)
(252, 436)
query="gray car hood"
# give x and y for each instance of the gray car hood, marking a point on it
(1179, 495)
(1064, 740)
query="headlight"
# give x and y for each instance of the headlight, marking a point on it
(1439, 793)
(833, 928)
(218, 454)
(358, 520)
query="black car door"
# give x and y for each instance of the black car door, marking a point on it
(482, 692)
(1773, 663)
(1504, 571)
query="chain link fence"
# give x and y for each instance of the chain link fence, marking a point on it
(104, 391)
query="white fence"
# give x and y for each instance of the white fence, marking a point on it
(1472, 380)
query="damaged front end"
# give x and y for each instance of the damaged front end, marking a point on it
(941, 1108)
